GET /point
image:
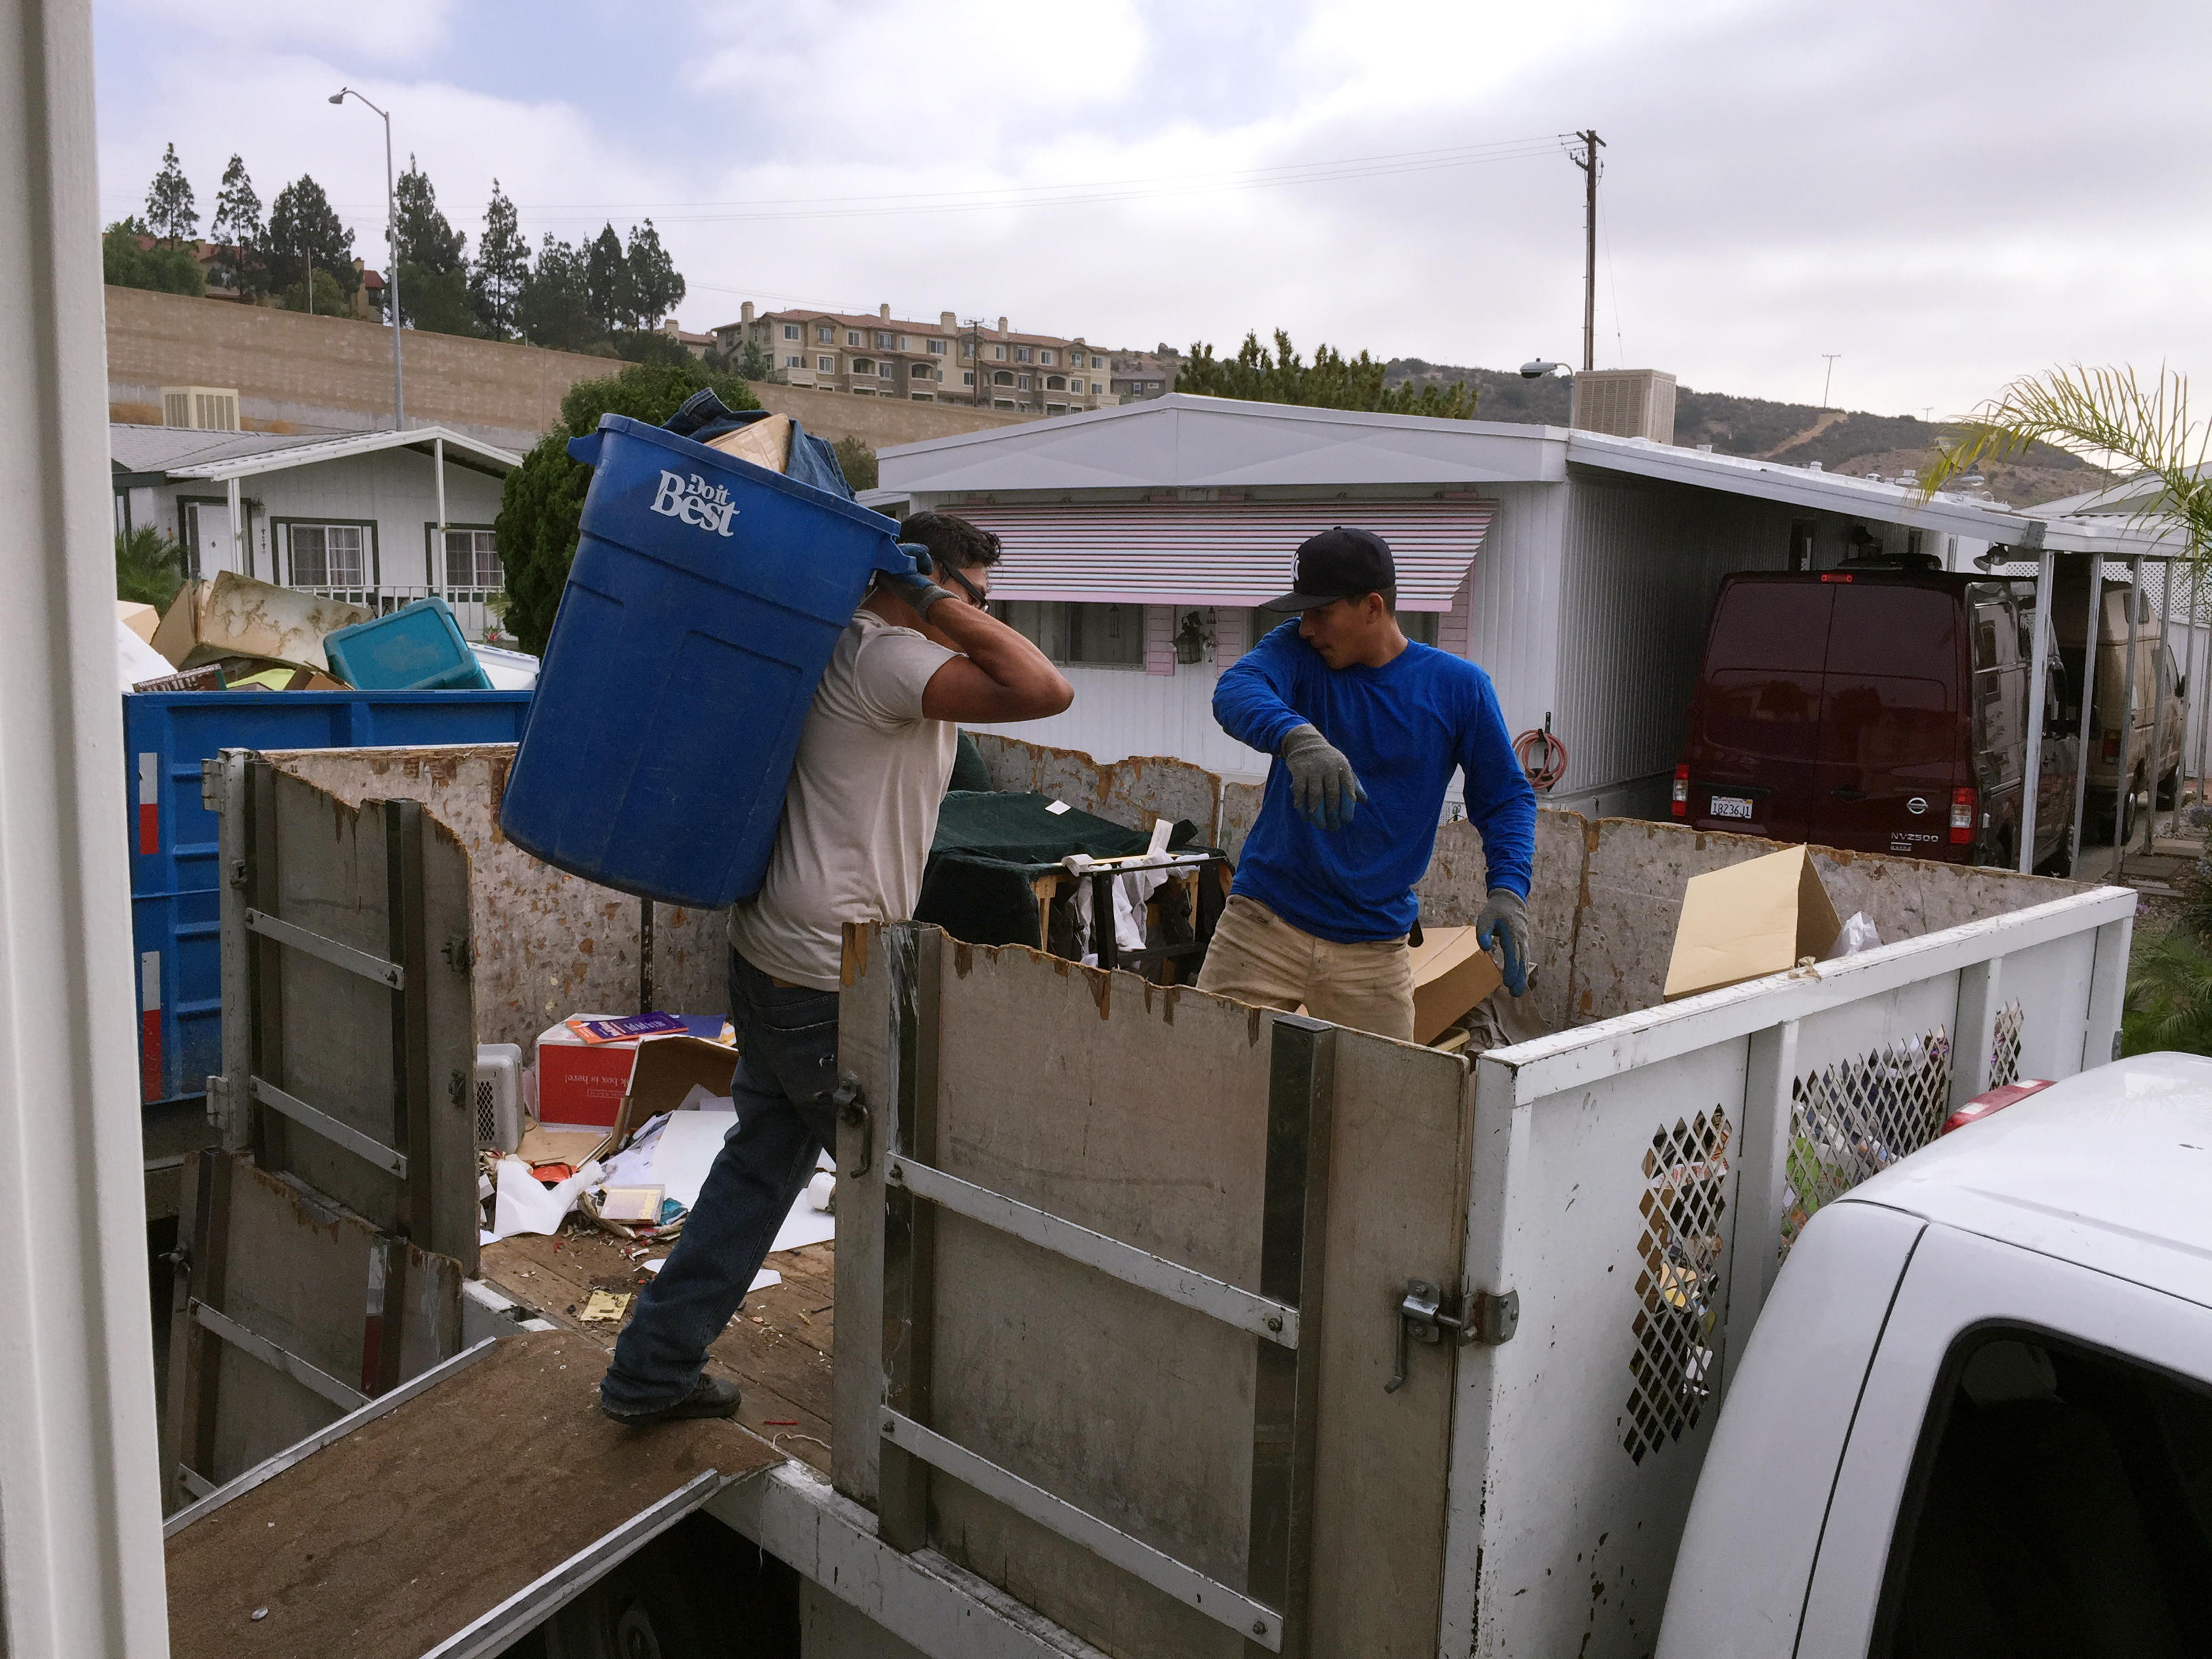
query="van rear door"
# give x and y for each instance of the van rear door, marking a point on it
(1893, 720)
(1757, 731)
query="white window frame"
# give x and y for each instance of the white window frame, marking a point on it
(825, 364)
(790, 330)
(363, 528)
(937, 348)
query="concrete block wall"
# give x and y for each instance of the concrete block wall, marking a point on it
(295, 372)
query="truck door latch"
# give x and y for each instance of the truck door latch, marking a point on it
(852, 1108)
(1424, 1315)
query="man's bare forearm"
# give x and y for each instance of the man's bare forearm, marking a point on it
(1008, 657)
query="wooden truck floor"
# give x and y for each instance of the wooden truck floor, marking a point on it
(777, 1350)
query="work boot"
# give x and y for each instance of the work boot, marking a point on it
(710, 1396)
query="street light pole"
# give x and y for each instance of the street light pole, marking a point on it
(392, 260)
(1829, 378)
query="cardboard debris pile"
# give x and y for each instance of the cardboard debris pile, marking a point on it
(636, 1176)
(237, 634)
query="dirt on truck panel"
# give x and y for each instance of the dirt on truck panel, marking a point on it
(391, 1539)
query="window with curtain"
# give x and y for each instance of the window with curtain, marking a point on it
(328, 555)
(471, 561)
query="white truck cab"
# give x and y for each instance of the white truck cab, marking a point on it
(1975, 1415)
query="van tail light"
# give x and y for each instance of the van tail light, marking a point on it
(2112, 744)
(1681, 807)
(1994, 1101)
(1962, 816)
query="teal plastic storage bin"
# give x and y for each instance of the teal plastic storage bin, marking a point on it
(418, 647)
(705, 599)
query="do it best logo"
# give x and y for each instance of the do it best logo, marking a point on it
(695, 502)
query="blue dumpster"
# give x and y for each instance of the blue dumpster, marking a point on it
(173, 878)
(705, 599)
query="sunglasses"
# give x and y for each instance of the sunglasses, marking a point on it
(976, 596)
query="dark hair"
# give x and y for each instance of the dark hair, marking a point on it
(951, 539)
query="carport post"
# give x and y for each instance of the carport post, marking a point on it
(2123, 793)
(437, 572)
(2038, 673)
(2158, 705)
(241, 555)
(2093, 616)
(2193, 724)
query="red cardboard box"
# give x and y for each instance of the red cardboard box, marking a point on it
(581, 1084)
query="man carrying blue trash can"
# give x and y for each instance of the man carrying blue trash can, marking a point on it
(858, 816)
(1366, 728)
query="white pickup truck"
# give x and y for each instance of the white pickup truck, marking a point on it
(1976, 1416)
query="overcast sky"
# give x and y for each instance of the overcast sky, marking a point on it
(1946, 194)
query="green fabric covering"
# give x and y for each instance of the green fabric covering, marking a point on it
(968, 771)
(976, 886)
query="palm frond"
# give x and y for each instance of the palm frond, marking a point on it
(2112, 420)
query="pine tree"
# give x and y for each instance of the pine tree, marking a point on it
(304, 228)
(427, 241)
(606, 281)
(169, 207)
(237, 218)
(656, 286)
(502, 265)
(555, 309)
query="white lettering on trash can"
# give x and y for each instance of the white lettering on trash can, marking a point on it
(695, 502)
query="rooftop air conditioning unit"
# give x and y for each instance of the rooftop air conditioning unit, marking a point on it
(200, 408)
(1627, 402)
(498, 1096)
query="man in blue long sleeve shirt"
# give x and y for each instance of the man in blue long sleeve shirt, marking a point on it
(1366, 728)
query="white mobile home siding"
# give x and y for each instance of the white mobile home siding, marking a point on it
(1640, 564)
(394, 489)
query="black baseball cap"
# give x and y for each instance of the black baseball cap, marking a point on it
(1339, 563)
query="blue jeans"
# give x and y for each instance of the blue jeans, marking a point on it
(787, 1067)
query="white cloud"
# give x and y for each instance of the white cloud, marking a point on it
(1947, 196)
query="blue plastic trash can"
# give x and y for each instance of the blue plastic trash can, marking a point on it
(706, 596)
(418, 647)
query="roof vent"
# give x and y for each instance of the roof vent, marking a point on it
(1814, 466)
(200, 408)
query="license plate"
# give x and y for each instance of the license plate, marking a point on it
(1731, 807)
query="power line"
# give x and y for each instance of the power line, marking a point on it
(1002, 198)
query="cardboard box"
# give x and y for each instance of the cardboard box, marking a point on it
(1760, 917)
(584, 1085)
(140, 619)
(234, 616)
(1451, 974)
(581, 1085)
(667, 1069)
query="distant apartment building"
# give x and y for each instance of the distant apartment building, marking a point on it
(1133, 376)
(943, 361)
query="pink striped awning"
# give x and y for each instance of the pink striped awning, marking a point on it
(1236, 553)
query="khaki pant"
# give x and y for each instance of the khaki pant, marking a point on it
(1258, 958)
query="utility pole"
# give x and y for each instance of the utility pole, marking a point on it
(1828, 379)
(1587, 159)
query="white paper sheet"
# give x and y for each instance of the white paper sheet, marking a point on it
(525, 1205)
(762, 1281)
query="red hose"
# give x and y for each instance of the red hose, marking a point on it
(1543, 758)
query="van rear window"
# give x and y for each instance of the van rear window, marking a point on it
(1880, 628)
(1766, 625)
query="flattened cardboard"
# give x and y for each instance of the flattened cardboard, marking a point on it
(178, 630)
(235, 616)
(1451, 974)
(1759, 917)
(140, 619)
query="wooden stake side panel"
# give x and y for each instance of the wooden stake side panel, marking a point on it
(1399, 1157)
(548, 944)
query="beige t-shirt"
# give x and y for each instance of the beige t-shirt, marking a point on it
(860, 809)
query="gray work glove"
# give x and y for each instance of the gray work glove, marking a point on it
(915, 587)
(1323, 785)
(1505, 921)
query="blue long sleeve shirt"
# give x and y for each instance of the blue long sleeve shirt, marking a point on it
(1404, 727)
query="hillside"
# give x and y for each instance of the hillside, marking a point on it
(1855, 442)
